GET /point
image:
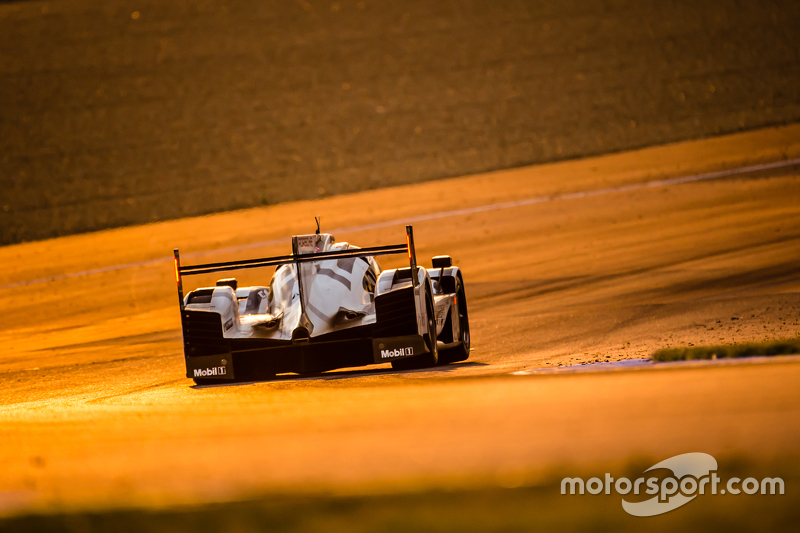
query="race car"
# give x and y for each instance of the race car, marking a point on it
(328, 305)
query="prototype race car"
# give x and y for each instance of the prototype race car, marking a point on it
(328, 305)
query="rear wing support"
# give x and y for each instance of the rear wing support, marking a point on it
(412, 255)
(178, 279)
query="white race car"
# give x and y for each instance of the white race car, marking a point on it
(328, 305)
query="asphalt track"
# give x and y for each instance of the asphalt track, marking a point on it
(95, 411)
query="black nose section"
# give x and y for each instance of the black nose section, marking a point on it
(300, 334)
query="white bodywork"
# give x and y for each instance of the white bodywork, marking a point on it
(339, 294)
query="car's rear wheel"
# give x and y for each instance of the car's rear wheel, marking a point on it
(461, 351)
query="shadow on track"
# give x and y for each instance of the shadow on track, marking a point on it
(345, 374)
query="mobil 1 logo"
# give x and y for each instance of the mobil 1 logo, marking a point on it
(216, 371)
(209, 367)
(397, 352)
(389, 349)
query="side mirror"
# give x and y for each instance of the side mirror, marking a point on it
(442, 261)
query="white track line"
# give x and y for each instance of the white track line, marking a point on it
(421, 218)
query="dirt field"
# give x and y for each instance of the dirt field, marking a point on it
(195, 107)
(96, 414)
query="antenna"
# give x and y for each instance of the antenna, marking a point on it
(317, 219)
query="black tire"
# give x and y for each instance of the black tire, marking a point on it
(460, 352)
(432, 357)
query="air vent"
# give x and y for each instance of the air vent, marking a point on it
(396, 314)
(202, 333)
(201, 296)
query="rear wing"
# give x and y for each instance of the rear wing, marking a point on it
(208, 268)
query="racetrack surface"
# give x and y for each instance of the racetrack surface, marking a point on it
(95, 411)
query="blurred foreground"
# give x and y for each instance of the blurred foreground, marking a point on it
(535, 508)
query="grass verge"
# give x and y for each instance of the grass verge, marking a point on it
(746, 349)
(491, 508)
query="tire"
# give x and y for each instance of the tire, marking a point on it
(460, 352)
(432, 357)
